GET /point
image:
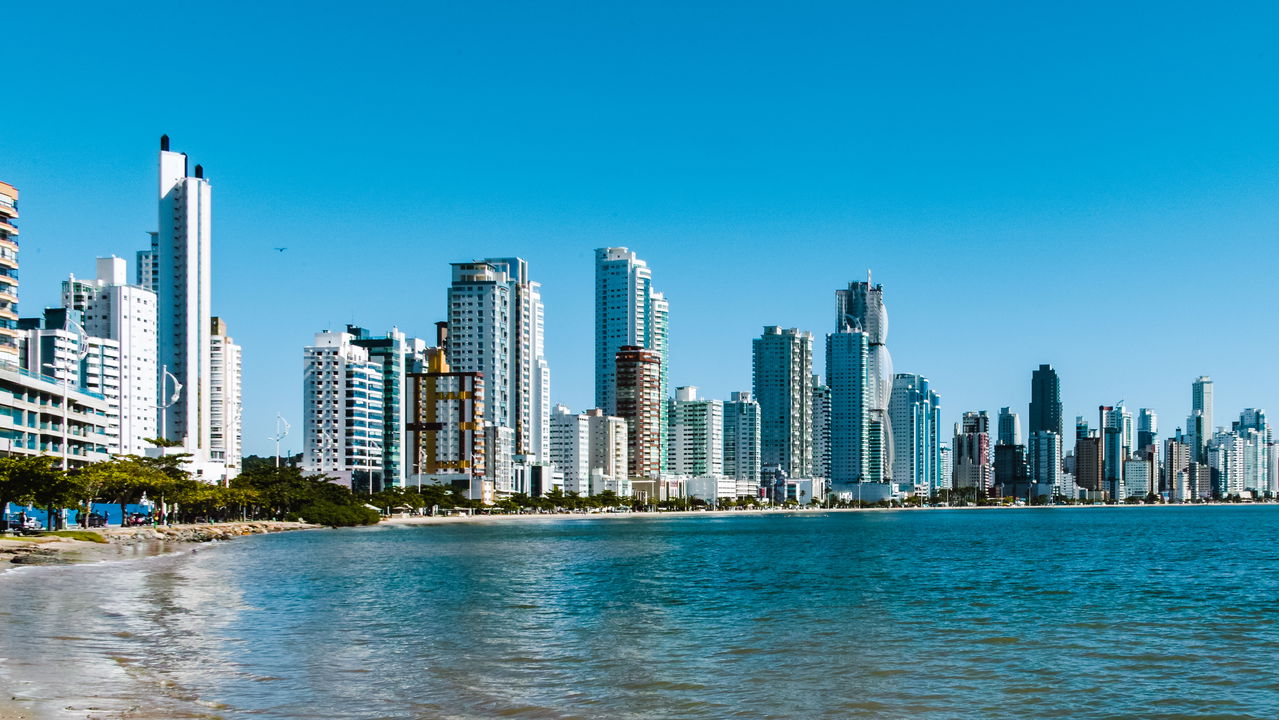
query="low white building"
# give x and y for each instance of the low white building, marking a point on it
(711, 488)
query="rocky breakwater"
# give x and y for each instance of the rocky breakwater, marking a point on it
(125, 543)
(198, 533)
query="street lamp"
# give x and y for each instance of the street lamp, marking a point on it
(281, 432)
(165, 375)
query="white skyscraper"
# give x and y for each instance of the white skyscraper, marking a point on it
(178, 268)
(342, 412)
(742, 443)
(696, 434)
(114, 309)
(628, 312)
(495, 327)
(225, 399)
(570, 449)
(182, 254)
(860, 308)
(915, 412)
(398, 355)
(1226, 464)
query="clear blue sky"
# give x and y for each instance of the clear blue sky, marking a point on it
(1092, 185)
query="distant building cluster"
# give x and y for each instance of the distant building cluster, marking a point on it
(123, 363)
(471, 409)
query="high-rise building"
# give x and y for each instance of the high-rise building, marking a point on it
(915, 413)
(398, 355)
(629, 312)
(782, 367)
(1118, 437)
(1045, 431)
(860, 308)
(638, 383)
(1199, 426)
(181, 251)
(495, 326)
(1045, 461)
(38, 414)
(446, 427)
(1199, 478)
(1012, 472)
(947, 467)
(114, 309)
(342, 412)
(742, 443)
(1139, 478)
(1009, 428)
(1089, 472)
(225, 370)
(590, 450)
(570, 449)
(1254, 432)
(1225, 464)
(852, 457)
(1147, 431)
(1176, 465)
(609, 459)
(8, 274)
(696, 434)
(972, 456)
(821, 428)
(1045, 401)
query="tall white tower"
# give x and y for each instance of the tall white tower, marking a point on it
(182, 259)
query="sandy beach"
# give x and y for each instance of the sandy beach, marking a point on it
(526, 517)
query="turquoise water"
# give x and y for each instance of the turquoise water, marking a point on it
(1033, 613)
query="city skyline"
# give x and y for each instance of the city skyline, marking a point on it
(1126, 198)
(1174, 417)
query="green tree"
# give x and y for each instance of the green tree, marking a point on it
(30, 479)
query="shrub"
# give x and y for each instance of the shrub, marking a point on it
(326, 513)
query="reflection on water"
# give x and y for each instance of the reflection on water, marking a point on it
(1164, 612)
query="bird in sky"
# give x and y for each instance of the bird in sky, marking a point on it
(281, 249)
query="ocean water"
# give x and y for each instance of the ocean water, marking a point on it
(1030, 613)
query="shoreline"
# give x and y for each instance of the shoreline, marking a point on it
(484, 518)
(126, 543)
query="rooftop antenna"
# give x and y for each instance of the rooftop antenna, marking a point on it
(281, 432)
